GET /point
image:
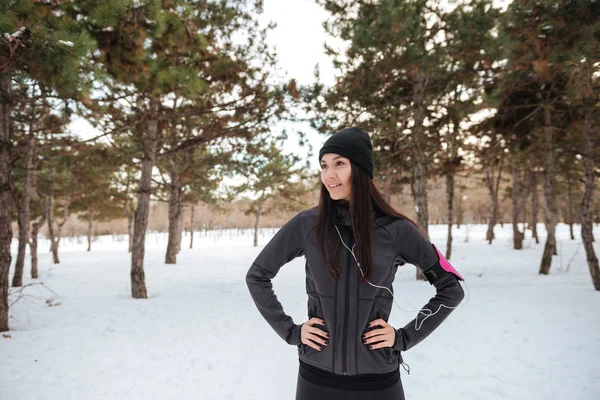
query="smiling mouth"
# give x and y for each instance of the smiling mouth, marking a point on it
(334, 186)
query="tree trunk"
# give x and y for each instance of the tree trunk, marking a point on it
(180, 226)
(33, 246)
(66, 205)
(493, 183)
(24, 209)
(490, 236)
(534, 207)
(192, 227)
(5, 195)
(50, 216)
(460, 212)
(516, 212)
(256, 221)
(138, 285)
(450, 200)
(570, 205)
(524, 197)
(450, 171)
(586, 215)
(35, 227)
(419, 181)
(89, 233)
(33, 243)
(549, 186)
(174, 213)
(129, 223)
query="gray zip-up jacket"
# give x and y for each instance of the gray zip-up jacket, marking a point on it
(345, 304)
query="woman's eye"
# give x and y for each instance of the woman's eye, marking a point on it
(323, 166)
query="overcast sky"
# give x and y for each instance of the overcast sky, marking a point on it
(299, 38)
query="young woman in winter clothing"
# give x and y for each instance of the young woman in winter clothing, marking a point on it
(353, 242)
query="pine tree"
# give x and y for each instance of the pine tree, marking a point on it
(188, 176)
(471, 52)
(57, 183)
(274, 179)
(398, 75)
(34, 118)
(96, 197)
(176, 59)
(538, 41)
(582, 68)
(39, 43)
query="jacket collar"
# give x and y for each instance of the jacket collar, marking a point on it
(342, 213)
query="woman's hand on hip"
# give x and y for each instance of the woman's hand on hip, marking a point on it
(313, 336)
(385, 335)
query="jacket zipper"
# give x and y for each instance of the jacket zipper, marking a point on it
(346, 317)
(333, 329)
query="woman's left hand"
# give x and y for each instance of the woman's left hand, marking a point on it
(385, 335)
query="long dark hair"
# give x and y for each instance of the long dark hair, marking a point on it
(364, 197)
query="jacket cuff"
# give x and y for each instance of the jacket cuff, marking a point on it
(399, 343)
(294, 338)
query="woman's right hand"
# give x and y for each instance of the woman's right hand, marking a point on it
(311, 335)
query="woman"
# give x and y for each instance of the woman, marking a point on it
(353, 242)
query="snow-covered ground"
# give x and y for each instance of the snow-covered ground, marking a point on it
(517, 335)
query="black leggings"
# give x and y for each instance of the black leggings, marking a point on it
(309, 391)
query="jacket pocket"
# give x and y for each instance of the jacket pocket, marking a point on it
(377, 360)
(388, 354)
(312, 313)
(322, 359)
(315, 310)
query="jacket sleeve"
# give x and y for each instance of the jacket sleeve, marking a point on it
(287, 244)
(416, 249)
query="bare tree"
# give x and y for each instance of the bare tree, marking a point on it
(493, 174)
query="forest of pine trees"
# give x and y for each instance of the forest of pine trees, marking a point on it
(186, 94)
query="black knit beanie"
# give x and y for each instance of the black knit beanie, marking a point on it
(354, 144)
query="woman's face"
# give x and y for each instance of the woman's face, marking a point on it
(336, 174)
